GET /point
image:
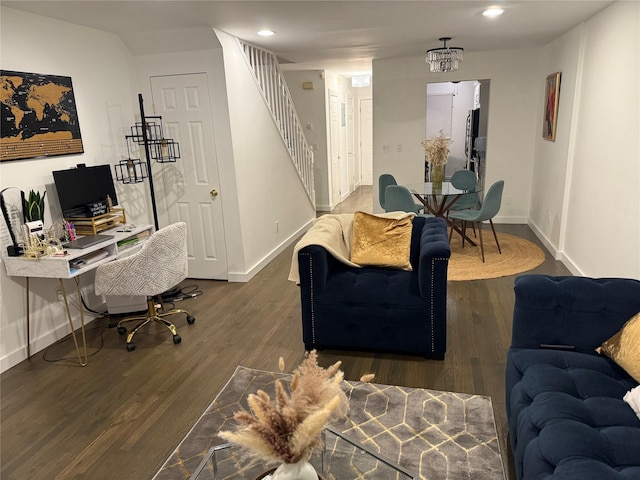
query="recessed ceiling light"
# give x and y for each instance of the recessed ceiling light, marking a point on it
(493, 12)
(266, 33)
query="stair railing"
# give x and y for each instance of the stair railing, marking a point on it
(269, 78)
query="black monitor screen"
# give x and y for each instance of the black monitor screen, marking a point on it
(77, 187)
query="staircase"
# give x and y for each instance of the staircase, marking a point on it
(269, 78)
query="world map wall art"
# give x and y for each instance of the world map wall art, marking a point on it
(39, 117)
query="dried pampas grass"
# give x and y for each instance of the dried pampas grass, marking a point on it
(288, 428)
(437, 149)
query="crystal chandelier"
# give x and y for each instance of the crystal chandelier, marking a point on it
(445, 59)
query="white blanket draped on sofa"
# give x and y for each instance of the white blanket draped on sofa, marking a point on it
(632, 397)
(335, 234)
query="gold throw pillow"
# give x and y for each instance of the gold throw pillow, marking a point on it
(381, 242)
(624, 347)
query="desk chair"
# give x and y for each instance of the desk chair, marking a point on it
(489, 209)
(160, 264)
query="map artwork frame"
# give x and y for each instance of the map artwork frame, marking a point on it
(38, 116)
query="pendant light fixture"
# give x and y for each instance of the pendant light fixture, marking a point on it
(444, 59)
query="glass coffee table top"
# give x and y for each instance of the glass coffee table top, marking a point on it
(338, 459)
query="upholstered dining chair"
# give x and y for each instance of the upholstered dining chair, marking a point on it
(488, 210)
(384, 181)
(160, 264)
(399, 198)
(465, 180)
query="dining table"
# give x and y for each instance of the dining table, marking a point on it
(438, 200)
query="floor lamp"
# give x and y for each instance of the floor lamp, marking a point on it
(148, 133)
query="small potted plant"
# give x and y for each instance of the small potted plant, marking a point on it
(33, 207)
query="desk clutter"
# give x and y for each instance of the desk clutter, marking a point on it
(98, 223)
(89, 258)
(49, 257)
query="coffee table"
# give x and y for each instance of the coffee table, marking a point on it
(438, 435)
(339, 459)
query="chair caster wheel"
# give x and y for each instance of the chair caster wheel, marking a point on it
(191, 320)
(131, 347)
(177, 339)
(122, 330)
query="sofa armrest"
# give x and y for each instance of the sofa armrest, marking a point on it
(434, 257)
(314, 266)
(577, 312)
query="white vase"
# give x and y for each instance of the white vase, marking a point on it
(302, 470)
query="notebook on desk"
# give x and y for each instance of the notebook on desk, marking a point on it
(87, 241)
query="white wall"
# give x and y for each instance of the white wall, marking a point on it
(105, 101)
(399, 91)
(272, 202)
(595, 222)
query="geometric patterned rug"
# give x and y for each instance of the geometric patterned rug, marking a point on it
(435, 435)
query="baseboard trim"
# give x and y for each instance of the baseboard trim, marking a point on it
(38, 344)
(243, 277)
(557, 255)
(544, 239)
(510, 220)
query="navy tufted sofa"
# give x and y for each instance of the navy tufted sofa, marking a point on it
(379, 309)
(567, 418)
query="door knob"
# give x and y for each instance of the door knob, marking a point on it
(214, 193)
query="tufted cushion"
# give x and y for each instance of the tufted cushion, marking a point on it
(380, 307)
(567, 417)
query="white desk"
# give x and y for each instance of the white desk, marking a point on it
(61, 268)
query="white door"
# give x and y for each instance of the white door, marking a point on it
(190, 187)
(354, 171)
(366, 140)
(334, 140)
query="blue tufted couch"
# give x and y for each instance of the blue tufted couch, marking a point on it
(379, 309)
(567, 419)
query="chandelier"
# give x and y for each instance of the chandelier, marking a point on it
(445, 59)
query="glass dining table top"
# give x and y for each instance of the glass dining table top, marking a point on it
(427, 189)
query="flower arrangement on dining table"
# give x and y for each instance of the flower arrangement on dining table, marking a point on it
(437, 151)
(288, 428)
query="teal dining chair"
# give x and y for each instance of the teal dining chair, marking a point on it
(465, 180)
(384, 181)
(488, 210)
(399, 198)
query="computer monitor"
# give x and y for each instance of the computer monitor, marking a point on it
(83, 185)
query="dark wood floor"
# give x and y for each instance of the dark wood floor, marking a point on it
(123, 414)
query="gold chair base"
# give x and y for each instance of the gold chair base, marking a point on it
(152, 316)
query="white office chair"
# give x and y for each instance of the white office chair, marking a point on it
(160, 264)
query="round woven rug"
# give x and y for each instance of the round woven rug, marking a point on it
(518, 255)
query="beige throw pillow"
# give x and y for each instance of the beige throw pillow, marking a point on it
(624, 347)
(381, 242)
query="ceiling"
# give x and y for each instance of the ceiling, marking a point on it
(342, 36)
